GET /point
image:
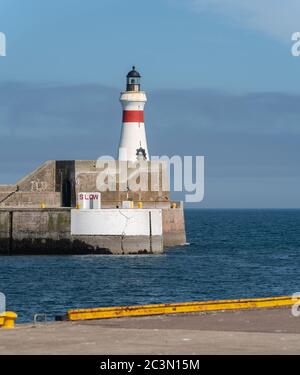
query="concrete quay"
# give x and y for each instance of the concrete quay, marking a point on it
(257, 331)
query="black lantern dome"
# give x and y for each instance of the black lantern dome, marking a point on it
(133, 73)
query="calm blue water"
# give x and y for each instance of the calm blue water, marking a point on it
(232, 254)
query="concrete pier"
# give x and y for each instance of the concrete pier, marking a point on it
(34, 231)
(263, 331)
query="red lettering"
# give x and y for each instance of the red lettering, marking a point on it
(89, 197)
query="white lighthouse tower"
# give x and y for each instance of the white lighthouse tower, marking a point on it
(133, 142)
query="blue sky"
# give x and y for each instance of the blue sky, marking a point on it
(219, 74)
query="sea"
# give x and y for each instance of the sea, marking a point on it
(230, 254)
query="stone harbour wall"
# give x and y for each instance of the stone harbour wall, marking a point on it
(48, 231)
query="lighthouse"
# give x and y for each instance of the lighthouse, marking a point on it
(133, 142)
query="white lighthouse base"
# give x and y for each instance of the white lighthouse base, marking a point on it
(140, 230)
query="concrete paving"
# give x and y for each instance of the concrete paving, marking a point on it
(261, 331)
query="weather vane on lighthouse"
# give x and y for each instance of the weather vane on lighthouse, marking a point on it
(133, 142)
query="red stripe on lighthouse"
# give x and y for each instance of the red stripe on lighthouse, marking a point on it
(133, 116)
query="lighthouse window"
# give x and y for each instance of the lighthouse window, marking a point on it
(134, 81)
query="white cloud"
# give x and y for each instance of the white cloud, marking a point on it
(278, 18)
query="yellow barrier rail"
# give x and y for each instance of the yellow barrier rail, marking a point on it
(175, 308)
(7, 320)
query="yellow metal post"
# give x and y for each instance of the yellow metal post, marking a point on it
(7, 320)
